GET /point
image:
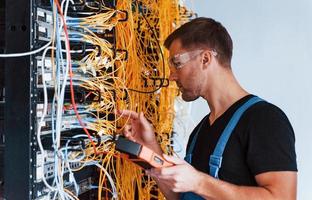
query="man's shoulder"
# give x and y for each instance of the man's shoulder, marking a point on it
(266, 111)
(265, 118)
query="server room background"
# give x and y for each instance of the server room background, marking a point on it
(271, 58)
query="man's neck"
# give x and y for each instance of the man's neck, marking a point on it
(223, 93)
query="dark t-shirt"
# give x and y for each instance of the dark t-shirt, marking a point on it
(262, 141)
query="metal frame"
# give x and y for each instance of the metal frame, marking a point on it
(18, 130)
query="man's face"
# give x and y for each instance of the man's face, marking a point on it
(186, 74)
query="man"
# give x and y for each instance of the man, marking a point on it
(258, 158)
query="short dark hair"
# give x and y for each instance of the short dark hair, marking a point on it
(204, 33)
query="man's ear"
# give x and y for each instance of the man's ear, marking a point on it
(206, 57)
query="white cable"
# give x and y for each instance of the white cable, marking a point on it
(61, 186)
(25, 53)
(79, 51)
(45, 108)
(114, 190)
(60, 102)
(71, 175)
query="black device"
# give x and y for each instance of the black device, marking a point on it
(140, 154)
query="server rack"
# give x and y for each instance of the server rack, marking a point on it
(21, 99)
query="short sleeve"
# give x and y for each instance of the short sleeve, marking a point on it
(271, 141)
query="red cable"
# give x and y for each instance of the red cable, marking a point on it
(70, 76)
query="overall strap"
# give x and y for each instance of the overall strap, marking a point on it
(215, 160)
(189, 153)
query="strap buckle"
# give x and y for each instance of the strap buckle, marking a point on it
(215, 163)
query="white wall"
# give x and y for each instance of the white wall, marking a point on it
(272, 58)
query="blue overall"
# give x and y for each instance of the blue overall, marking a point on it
(215, 160)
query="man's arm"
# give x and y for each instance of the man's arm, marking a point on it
(182, 177)
(280, 185)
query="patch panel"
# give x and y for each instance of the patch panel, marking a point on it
(84, 186)
(78, 79)
(49, 171)
(45, 163)
(43, 15)
(68, 123)
(67, 110)
(43, 31)
(81, 71)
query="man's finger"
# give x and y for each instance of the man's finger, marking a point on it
(166, 173)
(143, 119)
(128, 113)
(174, 160)
(127, 129)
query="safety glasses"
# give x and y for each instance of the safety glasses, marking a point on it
(179, 60)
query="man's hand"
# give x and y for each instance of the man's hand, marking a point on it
(139, 130)
(182, 177)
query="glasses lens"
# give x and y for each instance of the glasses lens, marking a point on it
(180, 60)
(174, 62)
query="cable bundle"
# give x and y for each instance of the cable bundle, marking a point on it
(146, 77)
